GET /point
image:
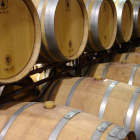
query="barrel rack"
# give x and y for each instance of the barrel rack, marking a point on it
(78, 65)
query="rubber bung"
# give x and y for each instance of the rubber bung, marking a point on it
(123, 61)
(98, 77)
(49, 104)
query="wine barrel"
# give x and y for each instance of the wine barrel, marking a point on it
(62, 123)
(124, 19)
(64, 26)
(24, 97)
(102, 24)
(127, 73)
(131, 57)
(136, 18)
(20, 39)
(103, 98)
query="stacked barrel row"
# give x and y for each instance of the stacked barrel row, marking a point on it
(67, 28)
(64, 28)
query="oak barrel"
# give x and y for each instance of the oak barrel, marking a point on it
(64, 26)
(20, 39)
(127, 73)
(136, 18)
(110, 100)
(124, 20)
(27, 96)
(35, 122)
(102, 24)
(131, 57)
